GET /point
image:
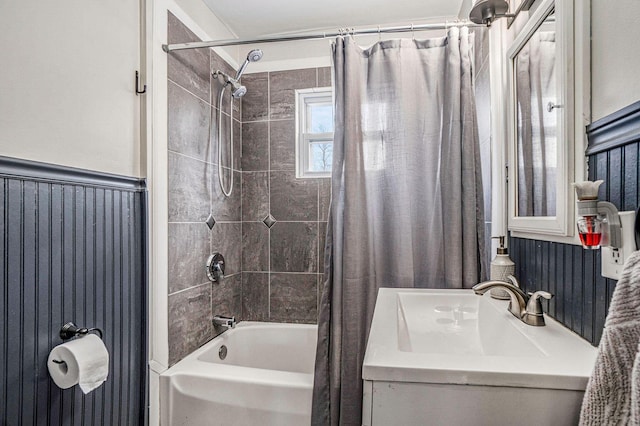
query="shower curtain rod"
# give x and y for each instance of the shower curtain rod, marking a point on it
(234, 42)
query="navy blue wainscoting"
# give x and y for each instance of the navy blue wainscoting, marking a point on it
(582, 295)
(72, 248)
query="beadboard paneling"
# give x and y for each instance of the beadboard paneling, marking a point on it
(582, 294)
(72, 249)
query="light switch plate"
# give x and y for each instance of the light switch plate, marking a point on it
(613, 259)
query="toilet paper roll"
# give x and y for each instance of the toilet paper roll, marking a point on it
(85, 362)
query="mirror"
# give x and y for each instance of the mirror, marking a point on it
(540, 123)
(536, 122)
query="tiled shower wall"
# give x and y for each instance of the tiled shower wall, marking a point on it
(281, 261)
(194, 194)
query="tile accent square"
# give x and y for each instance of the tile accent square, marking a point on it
(294, 247)
(269, 221)
(294, 297)
(210, 222)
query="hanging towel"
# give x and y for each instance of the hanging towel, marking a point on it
(612, 396)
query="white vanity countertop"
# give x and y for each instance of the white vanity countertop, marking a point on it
(455, 336)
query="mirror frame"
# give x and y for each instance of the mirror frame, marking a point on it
(562, 224)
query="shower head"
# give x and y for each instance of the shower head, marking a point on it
(253, 56)
(237, 89)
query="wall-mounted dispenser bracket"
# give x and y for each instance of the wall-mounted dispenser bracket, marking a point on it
(613, 258)
(609, 212)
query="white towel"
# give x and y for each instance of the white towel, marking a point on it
(612, 396)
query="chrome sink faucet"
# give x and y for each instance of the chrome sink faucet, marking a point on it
(527, 308)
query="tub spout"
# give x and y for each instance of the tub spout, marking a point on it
(222, 321)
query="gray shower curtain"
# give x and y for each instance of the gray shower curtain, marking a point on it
(406, 206)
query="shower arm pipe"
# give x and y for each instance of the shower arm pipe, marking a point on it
(319, 36)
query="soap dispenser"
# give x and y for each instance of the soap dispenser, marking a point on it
(501, 267)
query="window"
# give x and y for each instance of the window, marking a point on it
(314, 132)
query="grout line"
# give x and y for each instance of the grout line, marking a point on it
(189, 288)
(276, 272)
(189, 91)
(269, 119)
(269, 194)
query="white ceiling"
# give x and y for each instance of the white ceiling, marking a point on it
(256, 18)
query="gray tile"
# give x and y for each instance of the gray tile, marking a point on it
(322, 238)
(226, 134)
(189, 321)
(255, 104)
(188, 252)
(282, 87)
(324, 77)
(292, 198)
(226, 238)
(282, 140)
(320, 279)
(188, 123)
(294, 297)
(189, 182)
(255, 196)
(324, 198)
(294, 247)
(255, 247)
(226, 208)
(255, 146)
(226, 297)
(188, 68)
(255, 296)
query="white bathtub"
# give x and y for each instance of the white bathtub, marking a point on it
(265, 379)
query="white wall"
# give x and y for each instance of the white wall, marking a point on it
(615, 55)
(67, 83)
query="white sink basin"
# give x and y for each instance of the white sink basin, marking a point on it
(460, 324)
(457, 358)
(455, 336)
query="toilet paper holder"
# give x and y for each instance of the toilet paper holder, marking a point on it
(70, 330)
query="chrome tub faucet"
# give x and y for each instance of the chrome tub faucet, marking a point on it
(525, 307)
(222, 321)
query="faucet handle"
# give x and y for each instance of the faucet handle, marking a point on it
(534, 306)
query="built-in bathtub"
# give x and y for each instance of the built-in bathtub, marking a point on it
(265, 379)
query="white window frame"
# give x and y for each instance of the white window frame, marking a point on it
(305, 97)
